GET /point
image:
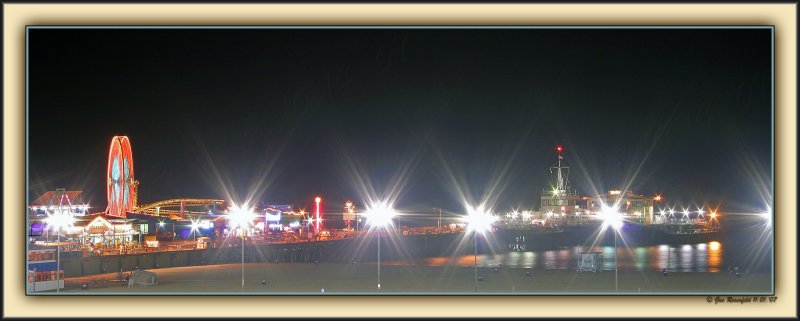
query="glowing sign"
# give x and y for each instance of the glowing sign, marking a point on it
(349, 211)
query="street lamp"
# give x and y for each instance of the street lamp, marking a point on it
(195, 226)
(439, 222)
(713, 218)
(241, 217)
(56, 221)
(478, 221)
(612, 218)
(380, 216)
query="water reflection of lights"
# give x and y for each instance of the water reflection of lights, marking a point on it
(714, 257)
(704, 257)
(686, 257)
(528, 259)
(700, 257)
(549, 259)
(641, 258)
(513, 259)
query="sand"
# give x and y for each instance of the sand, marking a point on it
(311, 278)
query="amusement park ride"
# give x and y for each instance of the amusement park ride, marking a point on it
(122, 188)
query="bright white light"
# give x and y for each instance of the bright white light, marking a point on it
(768, 216)
(195, 225)
(671, 212)
(686, 213)
(161, 224)
(611, 217)
(478, 219)
(549, 214)
(60, 219)
(662, 212)
(240, 216)
(380, 214)
(700, 211)
(526, 215)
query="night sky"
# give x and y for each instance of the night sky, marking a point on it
(689, 108)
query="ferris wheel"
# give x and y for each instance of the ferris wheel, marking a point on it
(121, 188)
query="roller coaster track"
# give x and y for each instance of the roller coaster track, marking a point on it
(167, 207)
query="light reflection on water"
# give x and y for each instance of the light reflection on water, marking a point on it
(702, 257)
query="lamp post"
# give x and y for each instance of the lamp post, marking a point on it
(194, 226)
(612, 218)
(57, 220)
(475, 259)
(616, 283)
(480, 221)
(439, 222)
(380, 216)
(242, 235)
(241, 217)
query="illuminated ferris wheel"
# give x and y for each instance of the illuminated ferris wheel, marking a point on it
(121, 188)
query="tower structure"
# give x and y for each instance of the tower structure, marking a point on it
(560, 203)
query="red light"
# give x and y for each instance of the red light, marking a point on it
(559, 149)
(317, 217)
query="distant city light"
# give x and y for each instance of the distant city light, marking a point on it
(526, 215)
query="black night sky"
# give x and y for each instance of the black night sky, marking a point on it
(689, 108)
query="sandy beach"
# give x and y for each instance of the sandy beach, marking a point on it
(362, 278)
